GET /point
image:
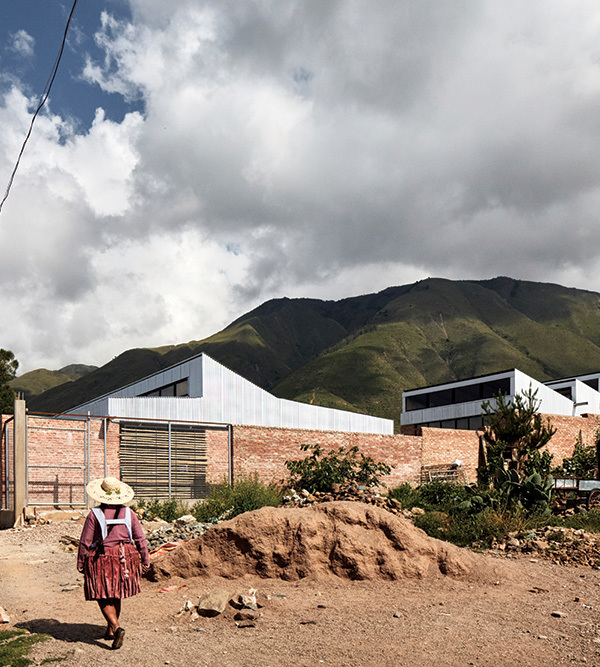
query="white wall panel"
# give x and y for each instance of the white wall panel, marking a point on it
(225, 398)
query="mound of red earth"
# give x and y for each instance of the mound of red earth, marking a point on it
(348, 539)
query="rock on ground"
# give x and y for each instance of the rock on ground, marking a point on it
(348, 539)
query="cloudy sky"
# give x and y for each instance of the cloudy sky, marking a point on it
(199, 157)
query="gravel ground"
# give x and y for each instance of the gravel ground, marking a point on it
(529, 613)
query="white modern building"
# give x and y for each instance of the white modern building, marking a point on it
(202, 390)
(457, 404)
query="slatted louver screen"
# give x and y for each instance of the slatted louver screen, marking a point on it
(145, 460)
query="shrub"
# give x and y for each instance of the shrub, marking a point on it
(588, 521)
(441, 495)
(317, 472)
(405, 493)
(226, 501)
(482, 528)
(583, 462)
(167, 510)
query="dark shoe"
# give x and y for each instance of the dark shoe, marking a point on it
(118, 640)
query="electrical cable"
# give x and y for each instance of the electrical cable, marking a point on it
(43, 98)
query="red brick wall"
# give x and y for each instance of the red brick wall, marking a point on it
(259, 450)
(265, 450)
(567, 429)
(60, 442)
(217, 449)
(442, 446)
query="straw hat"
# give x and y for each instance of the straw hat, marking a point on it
(110, 491)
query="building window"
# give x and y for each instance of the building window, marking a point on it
(565, 391)
(465, 394)
(180, 388)
(418, 402)
(593, 383)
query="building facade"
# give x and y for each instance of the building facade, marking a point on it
(202, 390)
(457, 405)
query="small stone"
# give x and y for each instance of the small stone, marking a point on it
(184, 520)
(213, 603)
(417, 510)
(558, 614)
(4, 617)
(247, 624)
(246, 615)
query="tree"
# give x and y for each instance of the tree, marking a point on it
(514, 434)
(8, 370)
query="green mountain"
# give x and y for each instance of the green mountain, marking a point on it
(36, 382)
(360, 353)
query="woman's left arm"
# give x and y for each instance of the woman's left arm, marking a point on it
(140, 540)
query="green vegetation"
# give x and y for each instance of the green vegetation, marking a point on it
(36, 382)
(226, 501)
(16, 644)
(167, 510)
(360, 353)
(318, 471)
(583, 463)
(515, 485)
(514, 435)
(469, 516)
(8, 370)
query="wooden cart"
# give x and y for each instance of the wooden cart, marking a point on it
(582, 489)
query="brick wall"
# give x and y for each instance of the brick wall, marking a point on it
(53, 443)
(567, 430)
(217, 451)
(265, 450)
(443, 446)
(259, 450)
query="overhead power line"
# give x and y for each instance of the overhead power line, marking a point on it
(41, 103)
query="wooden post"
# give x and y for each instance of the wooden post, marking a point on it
(20, 460)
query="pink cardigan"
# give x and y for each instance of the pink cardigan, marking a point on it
(116, 534)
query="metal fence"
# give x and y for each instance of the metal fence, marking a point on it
(7, 466)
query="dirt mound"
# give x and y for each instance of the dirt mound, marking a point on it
(348, 539)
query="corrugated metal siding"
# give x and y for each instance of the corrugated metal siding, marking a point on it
(227, 398)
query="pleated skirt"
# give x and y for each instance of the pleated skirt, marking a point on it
(112, 572)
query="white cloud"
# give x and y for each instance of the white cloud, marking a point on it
(23, 43)
(335, 148)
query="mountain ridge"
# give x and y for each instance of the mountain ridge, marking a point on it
(359, 353)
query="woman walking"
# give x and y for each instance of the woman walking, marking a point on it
(111, 547)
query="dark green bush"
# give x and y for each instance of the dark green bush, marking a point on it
(588, 521)
(318, 471)
(247, 494)
(583, 463)
(167, 510)
(441, 495)
(406, 494)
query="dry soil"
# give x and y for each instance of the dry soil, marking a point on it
(504, 612)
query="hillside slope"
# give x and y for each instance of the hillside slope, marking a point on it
(359, 353)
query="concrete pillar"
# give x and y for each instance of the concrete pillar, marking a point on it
(20, 459)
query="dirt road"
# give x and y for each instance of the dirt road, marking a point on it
(505, 619)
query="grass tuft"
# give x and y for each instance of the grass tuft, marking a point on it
(15, 645)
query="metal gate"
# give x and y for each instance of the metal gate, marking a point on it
(62, 480)
(164, 460)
